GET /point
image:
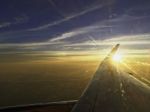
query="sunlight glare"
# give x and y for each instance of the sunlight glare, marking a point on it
(117, 57)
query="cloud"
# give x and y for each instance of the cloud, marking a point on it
(130, 39)
(15, 20)
(5, 24)
(64, 36)
(138, 40)
(68, 35)
(127, 17)
(87, 10)
(21, 19)
(6, 45)
(130, 44)
(104, 25)
(143, 7)
(82, 30)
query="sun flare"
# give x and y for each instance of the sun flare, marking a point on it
(117, 57)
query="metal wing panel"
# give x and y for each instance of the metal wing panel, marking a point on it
(114, 90)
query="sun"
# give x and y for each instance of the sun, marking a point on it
(117, 58)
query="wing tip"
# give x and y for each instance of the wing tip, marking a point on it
(114, 50)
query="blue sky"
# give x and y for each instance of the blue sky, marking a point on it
(28, 26)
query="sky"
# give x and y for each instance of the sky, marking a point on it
(71, 26)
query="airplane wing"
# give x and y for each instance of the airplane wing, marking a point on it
(60, 106)
(113, 51)
(114, 90)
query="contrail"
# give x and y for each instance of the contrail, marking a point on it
(68, 17)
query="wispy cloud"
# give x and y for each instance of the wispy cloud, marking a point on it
(143, 39)
(5, 24)
(37, 44)
(66, 18)
(126, 17)
(130, 39)
(130, 45)
(79, 31)
(65, 35)
(15, 20)
(21, 19)
(104, 24)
